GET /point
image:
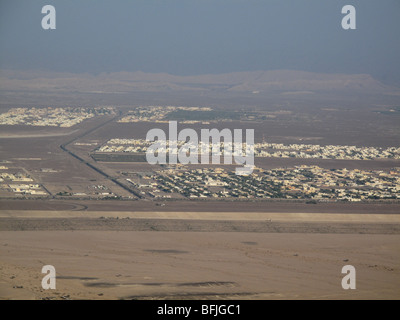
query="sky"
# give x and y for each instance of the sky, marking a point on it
(191, 37)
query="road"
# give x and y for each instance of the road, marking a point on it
(92, 166)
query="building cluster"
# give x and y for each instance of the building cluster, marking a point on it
(300, 182)
(94, 191)
(125, 145)
(51, 117)
(140, 146)
(100, 190)
(156, 113)
(341, 184)
(267, 150)
(308, 151)
(27, 188)
(18, 176)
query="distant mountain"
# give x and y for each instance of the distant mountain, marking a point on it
(281, 81)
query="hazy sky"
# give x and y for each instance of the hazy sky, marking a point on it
(202, 36)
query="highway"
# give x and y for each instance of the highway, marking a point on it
(90, 165)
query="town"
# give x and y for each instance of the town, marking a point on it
(158, 113)
(299, 182)
(19, 183)
(51, 117)
(270, 150)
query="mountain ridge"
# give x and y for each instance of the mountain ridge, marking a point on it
(248, 81)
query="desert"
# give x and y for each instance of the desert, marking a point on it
(203, 255)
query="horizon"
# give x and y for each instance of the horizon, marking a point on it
(48, 71)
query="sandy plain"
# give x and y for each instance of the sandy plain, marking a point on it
(198, 255)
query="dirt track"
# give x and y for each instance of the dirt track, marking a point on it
(195, 225)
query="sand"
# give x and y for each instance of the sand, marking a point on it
(101, 261)
(222, 216)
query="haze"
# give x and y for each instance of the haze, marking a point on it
(184, 37)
